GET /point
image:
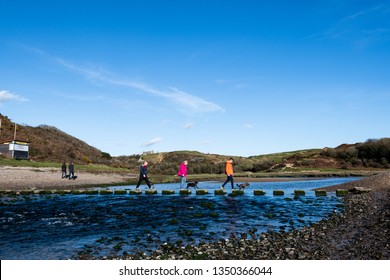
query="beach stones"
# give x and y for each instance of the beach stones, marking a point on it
(359, 190)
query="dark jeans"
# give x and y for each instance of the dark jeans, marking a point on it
(141, 178)
(229, 178)
(71, 174)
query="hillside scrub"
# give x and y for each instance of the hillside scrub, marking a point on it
(372, 153)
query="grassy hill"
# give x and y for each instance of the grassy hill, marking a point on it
(49, 144)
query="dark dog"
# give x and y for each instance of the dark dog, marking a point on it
(192, 185)
(242, 186)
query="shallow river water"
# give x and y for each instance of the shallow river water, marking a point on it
(66, 226)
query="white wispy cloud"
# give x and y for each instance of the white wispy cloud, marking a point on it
(240, 83)
(6, 96)
(189, 102)
(249, 125)
(361, 29)
(188, 125)
(381, 8)
(152, 142)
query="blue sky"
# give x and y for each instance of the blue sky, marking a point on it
(228, 77)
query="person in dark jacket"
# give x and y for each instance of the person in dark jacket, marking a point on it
(143, 176)
(71, 171)
(63, 168)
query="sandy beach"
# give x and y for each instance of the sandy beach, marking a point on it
(27, 178)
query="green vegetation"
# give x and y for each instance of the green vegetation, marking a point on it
(372, 153)
(49, 147)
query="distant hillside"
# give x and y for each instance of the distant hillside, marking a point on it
(53, 145)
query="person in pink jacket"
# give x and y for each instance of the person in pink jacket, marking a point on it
(182, 173)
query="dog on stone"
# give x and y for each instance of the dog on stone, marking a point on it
(192, 185)
(242, 186)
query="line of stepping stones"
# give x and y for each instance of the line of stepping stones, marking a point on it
(167, 192)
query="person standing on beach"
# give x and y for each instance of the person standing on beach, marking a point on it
(143, 176)
(229, 173)
(63, 168)
(183, 173)
(71, 171)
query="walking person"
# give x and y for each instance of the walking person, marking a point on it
(63, 168)
(229, 173)
(143, 176)
(183, 174)
(71, 171)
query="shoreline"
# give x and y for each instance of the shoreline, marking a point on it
(360, 232)
(45, 178)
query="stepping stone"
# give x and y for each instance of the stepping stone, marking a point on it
(168, 192)
(92, 192)
(237, 192)
(151, 192)
(77, 192)
(185, 192)
(202, 192)
(120, 192)
(219, 192)
(106, 192)
(258, 192)
(134, 192)
(299, 192)
(320, 193)
(278, 192)
(341, 192)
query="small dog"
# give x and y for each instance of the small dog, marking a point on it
(192, 185)
(242, 186)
